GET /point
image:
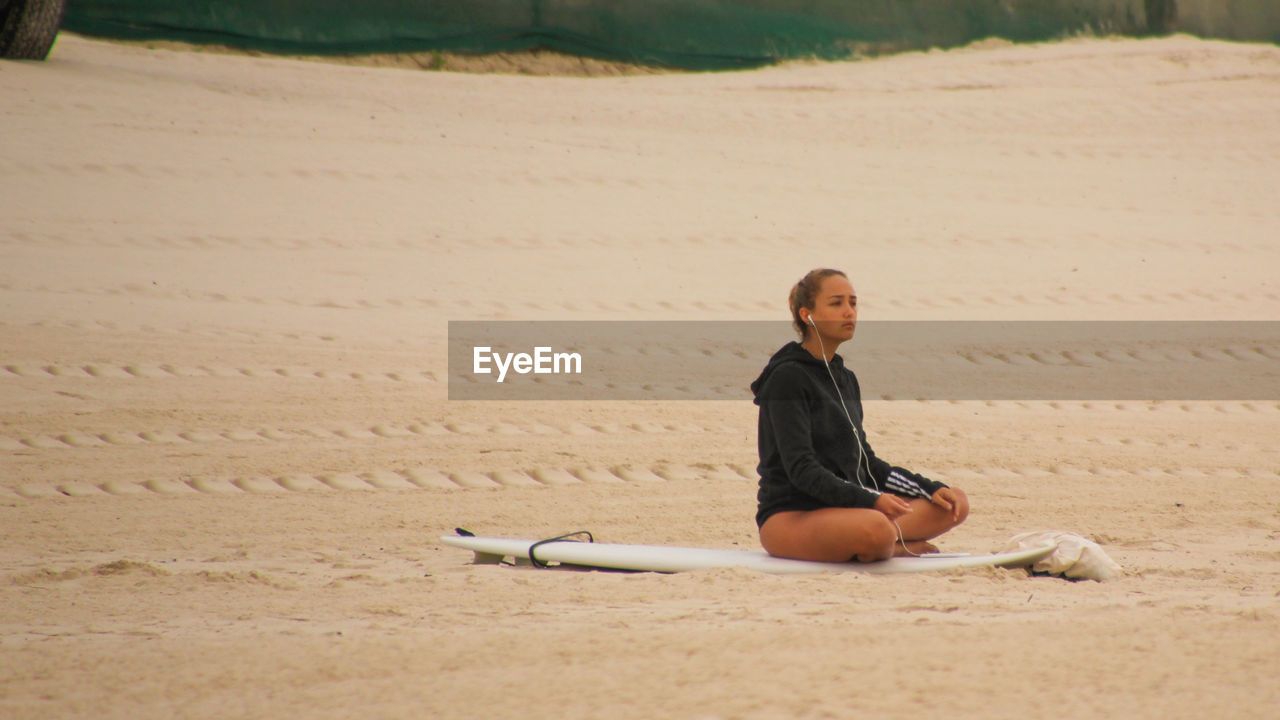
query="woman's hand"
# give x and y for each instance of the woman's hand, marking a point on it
(948, 499)
(892, 505)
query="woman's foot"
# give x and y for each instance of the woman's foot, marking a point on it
(914, 547)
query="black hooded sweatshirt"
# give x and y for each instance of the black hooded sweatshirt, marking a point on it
(808, 456)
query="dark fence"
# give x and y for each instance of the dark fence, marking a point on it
(694, 34)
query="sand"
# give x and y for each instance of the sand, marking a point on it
(226, 448)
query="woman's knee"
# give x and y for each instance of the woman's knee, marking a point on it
(876, 539)
(962, 505)
(882, 532)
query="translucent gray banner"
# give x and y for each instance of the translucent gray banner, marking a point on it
(925, 360)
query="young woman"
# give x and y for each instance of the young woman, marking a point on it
(824, 495)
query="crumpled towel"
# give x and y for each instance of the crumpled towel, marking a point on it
(1076, 557)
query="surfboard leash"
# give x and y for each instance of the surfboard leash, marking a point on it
(533, 559)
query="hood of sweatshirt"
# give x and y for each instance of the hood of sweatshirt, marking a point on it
(789, 353)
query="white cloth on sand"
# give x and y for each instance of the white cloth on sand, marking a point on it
(1075, 557)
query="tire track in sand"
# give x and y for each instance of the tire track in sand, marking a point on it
(151, 371)
(602, 240)
(1060, 440)
(443, 480)
(411, 478)
(72, 439)
(1191, 298)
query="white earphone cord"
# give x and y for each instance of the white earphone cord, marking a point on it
(862, 454)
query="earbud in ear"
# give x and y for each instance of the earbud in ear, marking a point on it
(810, 319)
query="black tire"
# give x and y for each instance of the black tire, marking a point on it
(28, 28)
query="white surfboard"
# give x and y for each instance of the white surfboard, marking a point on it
(490, 550)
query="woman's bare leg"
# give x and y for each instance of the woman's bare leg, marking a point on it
(843, 534)
(927, 520)
(829, 535)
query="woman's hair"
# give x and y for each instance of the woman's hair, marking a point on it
(805, 295)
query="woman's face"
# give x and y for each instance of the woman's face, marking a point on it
(835, 311)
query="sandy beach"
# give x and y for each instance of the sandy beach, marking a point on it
(227, 448)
